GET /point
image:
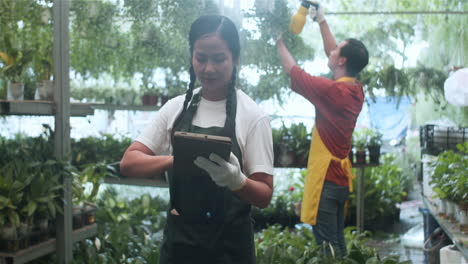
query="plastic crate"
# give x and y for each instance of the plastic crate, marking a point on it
(435, 139)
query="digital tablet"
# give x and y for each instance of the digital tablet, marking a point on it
(188, 146)
(192, 189)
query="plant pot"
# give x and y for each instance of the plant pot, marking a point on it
(13, 245)
(351, 156)
(78, 217)
(301, 160)
(90, 213)
(442, 207)
(8, 232)
(24, 230)
(451, 207)
(15, 90)
(148, 99)
(462, 215)
(43, 224)
(360, 157)
(374, 154)
(45, 90)
(286, 158)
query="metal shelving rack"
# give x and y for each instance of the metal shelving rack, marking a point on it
(61, 109)
(37, 108)
(459, 239)
(149, 182)
(46, 247)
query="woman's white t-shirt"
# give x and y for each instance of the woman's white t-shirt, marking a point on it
(253, 130)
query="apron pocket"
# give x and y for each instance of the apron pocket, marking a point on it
(194, 234)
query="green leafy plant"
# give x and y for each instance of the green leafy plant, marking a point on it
(281, 209)
(277, 245)
(105, 149)
(449, 177)
(93, 174)
(360, 140)
(374, 137)
(384, 189)
(300, 138)
(15, 61)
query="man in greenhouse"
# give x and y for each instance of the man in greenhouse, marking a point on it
(338, 103)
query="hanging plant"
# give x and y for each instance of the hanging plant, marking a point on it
(430, 81)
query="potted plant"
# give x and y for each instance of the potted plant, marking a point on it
(15, 61)
(11, 196)
(42, 58)
(443, 176)
(150, 95)
(283, 146)
(301, 141)
(373, 145)
(360, 143)
(449, 183)
(43, 68)
(460, 188)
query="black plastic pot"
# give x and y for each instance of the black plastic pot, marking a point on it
(374, 154)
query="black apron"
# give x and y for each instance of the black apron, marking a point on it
(214, 225)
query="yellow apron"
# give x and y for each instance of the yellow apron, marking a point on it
(317, 166)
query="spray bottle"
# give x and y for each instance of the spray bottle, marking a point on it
(299, 19)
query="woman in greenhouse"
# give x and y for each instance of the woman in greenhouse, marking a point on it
(338, 103)
(210, 223)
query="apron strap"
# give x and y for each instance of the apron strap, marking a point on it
(346, 166)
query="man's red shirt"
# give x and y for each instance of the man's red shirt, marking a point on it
(337, 107)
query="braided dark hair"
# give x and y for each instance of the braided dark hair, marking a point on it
(227, 31)
(231, 94)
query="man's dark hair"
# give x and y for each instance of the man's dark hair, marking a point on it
(356, 54)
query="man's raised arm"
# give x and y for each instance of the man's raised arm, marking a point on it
(329, 42)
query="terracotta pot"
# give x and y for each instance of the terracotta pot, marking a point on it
(148, 99)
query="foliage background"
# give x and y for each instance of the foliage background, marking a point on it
(114, 43)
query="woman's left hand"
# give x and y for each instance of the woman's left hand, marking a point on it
(223, 173)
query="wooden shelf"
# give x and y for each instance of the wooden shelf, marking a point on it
(46, 247)
(125, 107)
(355, 165)
(451, 229)
(150, 182)
(36, 107)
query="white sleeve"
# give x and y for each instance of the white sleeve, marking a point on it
(157, 136)
(258, 155)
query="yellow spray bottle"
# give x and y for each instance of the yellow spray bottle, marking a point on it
(299, 19)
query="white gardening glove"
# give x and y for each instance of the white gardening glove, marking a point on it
(223, 173)
(316, 14)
